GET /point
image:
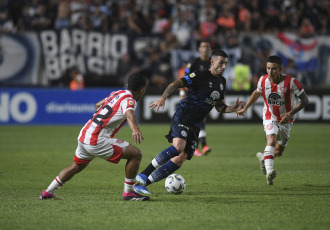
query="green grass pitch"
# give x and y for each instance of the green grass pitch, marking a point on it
(225, 190)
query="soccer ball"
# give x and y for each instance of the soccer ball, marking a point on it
(175, 184)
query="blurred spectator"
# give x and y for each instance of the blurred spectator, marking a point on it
(77, 80)
(41, 21)
(127, 65)
(241, 76)
(97, 20)
(208, 27)
(306, 28)
(63, 15)
(226, 21)
(6, 22)
(78, 9)
(161, 22)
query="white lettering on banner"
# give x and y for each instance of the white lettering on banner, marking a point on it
(68, 107)
(326, 108)
(12, 107)
(321, 105)
(311, 115)
(170, 106)
(4, 107)
(100, 50)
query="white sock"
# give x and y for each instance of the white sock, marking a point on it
(55, 185)
(155, 163)
(129, 185)
(269, 158)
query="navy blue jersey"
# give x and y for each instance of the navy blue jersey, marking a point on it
(197, 64)
(204, 90)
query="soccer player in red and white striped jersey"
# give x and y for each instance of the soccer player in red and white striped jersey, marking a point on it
(279, 92)
(96, 138)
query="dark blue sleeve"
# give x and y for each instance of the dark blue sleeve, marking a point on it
(191, 79)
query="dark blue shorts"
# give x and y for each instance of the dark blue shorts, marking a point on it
(182, 129)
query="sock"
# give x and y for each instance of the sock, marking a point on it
(163, 172)
(202, 137)
(202, 140)
(129, 185)
(163, 157)
(55, 185)
(269, 158)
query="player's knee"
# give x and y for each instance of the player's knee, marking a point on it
(137, 154)
(278, 153)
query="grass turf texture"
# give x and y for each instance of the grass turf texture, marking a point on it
(225, 190)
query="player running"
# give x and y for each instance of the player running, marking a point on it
(278, 91)
(200, 63)
(206, 90)
(96, 139)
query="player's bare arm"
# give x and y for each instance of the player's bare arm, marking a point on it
(286, 117)
(136, 133)
(171, 88)
(98, 104)
(221, 107)
(254, 97)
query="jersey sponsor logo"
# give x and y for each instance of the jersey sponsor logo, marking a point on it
(283, 89)
(192, 75)
(189, 81)
(275, 99)
(215, 95)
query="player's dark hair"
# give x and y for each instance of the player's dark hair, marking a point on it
(204, 40)
(218, 52)
(136, 82)
(275, 59)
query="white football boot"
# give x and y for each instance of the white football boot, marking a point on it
(260, 157)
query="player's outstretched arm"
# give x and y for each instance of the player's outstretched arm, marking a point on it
(136, 133)
(254, 97)
(168, 91)
(221, 107)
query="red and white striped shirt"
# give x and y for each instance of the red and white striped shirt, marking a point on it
(278, 98)
(109, 118)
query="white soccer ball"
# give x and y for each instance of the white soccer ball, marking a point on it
(175, 184)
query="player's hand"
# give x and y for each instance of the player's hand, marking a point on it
(238, 105)
(286, 117)
(137, 136)
(159, 103)
(240, 112)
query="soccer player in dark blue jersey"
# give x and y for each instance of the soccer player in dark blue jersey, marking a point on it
(200, 63)
(206, 90)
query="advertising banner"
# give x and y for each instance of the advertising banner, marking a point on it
(318, 109)
(19, 59)
(49, 106)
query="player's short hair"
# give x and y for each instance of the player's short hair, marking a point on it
(275, 59)
(219, 52)
(204, 40)
(136, 82)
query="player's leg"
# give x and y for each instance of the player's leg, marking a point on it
(133, 156)
(279, 149)
(170, 166)
(202, 139)
(65, 175)
(269, 158)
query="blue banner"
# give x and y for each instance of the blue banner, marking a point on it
(49, 106)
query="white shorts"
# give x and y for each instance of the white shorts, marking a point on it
(281, 130)
(109, 149)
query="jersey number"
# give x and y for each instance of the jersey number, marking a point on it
(98, 118)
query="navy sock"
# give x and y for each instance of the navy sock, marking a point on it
(164, 171)
(165, 155)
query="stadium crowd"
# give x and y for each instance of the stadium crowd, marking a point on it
(180, 24)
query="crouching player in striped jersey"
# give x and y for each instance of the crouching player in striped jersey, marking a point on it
(96, 139)
(279, 92)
